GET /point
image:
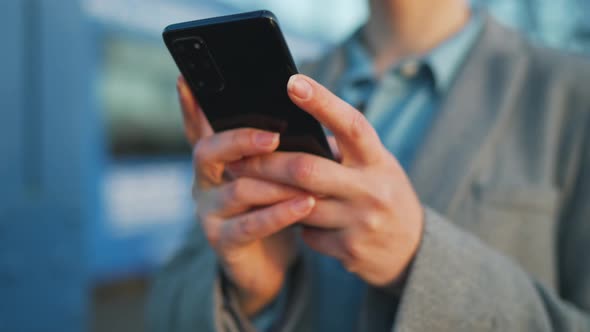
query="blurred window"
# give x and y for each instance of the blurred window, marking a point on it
(560, 24)
(137, 90)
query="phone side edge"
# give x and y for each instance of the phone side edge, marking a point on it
(217, 19)
(274, 22)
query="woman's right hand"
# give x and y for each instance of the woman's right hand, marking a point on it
(244, 219)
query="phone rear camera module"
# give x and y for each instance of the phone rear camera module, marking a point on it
(199, 65)
(180, 48)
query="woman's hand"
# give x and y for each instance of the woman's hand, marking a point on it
(244, 219)
(367, 214)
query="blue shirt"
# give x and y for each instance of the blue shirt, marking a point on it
(401, 105)
(403, 102)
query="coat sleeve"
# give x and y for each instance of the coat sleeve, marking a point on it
(457, 283)
(187, 295)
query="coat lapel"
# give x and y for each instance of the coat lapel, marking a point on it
(473, 112)
(328, 69)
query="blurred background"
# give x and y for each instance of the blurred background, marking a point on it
(95, 174)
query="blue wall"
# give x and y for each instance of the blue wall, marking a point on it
(50, 158)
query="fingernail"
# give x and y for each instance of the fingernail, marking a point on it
(299, 87)
(303, 205)
(265, 139)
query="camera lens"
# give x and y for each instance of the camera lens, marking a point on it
(201, 84)
(197, 46)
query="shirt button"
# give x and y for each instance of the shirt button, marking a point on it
(410, 68)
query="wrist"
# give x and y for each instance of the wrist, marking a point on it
(394, 279)
(251, 301)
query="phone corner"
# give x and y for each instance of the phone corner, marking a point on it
(267, 14)
(166, 31)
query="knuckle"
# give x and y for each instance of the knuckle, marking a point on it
(254, 165)
(352, 250)
(280, 215)
(324, 103)
(303, 169)
(383, 196)
(269, 217)
(319, 99)
(371, 222)
(235, 191)
(247, 226)
(212, 237)
(358, 126)
(206, 207)
(210, 230)
(374, 191)
(272, 219)
(200, 153)
(237, 138)
(350, 266)
(272, 222)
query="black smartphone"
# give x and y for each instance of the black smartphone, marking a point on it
(237, 67)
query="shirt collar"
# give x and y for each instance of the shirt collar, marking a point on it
(444, 61)
(359, 63)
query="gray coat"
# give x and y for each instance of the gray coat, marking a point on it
(505, 179)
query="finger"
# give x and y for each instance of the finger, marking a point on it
(232, 145)
(324, 241)
(212, 152)
(243, 194)
(329, 214)
(310, 173)
(261, 223)
(196, 124)
(356, 138)
(334, 148)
